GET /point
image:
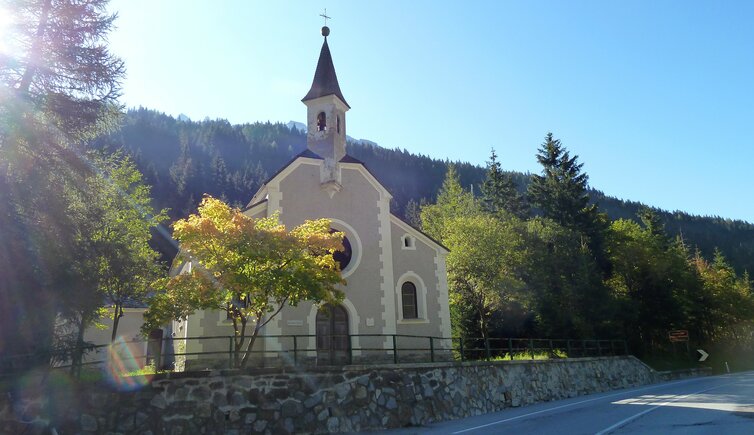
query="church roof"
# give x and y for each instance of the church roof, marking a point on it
(325, 80)
(305, 153)
(346, 159)
(350, 159)
(311, 155)
(250, 206)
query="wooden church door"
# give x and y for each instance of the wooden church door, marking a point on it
(333, 342)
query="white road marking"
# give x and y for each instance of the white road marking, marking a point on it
(625, 421)
(574, 404)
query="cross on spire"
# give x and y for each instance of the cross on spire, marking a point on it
(324, 15)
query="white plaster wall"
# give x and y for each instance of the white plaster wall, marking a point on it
(355, 209)
(129, 330)
(418, 266)
(372, 297)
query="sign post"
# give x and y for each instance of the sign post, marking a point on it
(680, 335)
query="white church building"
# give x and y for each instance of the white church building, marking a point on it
(396, 292)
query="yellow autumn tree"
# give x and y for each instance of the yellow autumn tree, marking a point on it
(249, 268)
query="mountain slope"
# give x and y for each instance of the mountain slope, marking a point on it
(184, 159)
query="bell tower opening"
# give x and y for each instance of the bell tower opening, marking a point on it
(326, 109)
(321, 121)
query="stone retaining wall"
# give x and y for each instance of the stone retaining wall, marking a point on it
(672, 375)
(317, 401)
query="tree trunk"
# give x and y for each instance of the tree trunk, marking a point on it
(239, 336)
(238, 341)
(260, 323)
(117, 314)
(482, 318)
(249, 346)
(78, 353)
(35, 52)
(483, 327)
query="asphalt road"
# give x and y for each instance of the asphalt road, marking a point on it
(709, 405)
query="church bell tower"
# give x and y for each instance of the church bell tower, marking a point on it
(326, 118)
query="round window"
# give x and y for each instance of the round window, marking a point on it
(343, 257)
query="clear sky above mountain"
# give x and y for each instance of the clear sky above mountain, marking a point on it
(657, 98)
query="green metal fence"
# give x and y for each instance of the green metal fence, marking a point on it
(305, 350)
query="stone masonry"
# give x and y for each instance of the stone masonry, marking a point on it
(344, 399)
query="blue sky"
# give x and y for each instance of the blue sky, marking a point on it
(657, 98)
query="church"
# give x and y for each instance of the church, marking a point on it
(396, 293)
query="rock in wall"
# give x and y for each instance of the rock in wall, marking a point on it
(344, 399)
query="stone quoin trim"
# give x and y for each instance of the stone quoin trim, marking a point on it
(442, 295)
(386, 268)
(274, 198)
(273, 327)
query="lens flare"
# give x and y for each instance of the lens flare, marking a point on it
(25, 391)
(125, 369)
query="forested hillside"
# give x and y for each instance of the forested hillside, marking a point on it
(183, 159)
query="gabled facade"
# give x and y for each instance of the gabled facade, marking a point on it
(395, 274)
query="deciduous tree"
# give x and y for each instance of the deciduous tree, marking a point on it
(452, 202)
(249, 268)
(115, 217)
(486, 255)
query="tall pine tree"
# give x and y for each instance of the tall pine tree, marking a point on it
(499, 191)
(63, 67)
(561, 191)
(561, 194)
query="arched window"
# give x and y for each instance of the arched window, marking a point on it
(408, 300)
(321, 121)
(407, 242)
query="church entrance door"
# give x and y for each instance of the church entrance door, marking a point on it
(333, 342)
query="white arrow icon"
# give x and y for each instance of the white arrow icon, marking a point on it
(704, 355)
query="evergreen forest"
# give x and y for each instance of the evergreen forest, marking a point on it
(184, 159)
(89, 194)
(563, 259)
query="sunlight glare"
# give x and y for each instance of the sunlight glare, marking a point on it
(6, 21)
(703, 401)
